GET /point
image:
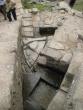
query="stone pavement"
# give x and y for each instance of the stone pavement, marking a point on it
(9, 33)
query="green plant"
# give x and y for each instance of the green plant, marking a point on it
(79, 5)
(28, 4)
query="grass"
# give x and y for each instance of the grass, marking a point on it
(27, 4)
(79, 5)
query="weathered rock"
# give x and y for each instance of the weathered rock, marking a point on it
(74, 97)
(37, 46)
(29, 82)
(77, 97)
(59, 23)
(35, 10)
(51, 63)
(66, 58)
(64, 5)
(62, 11)
(72, 70)
(51, 53)
(29, 40)
(27, 29)
(30, 56)
(33, 45)
(27, 34)
(26, 14)
(57, 46)
(58, 101)
(26, 23)
(32, 105)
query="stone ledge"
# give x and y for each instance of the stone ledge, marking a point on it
(72, 70)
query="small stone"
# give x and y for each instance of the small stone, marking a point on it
(35, 10)
(59, 23)
(62, 11)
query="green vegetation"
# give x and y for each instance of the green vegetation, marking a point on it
(28, 4)
(79, 5)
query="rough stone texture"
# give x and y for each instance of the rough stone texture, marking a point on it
(56, 46)
(10, 81)
(26, 23)
(30, 40)
(74, 97)
(30, 56)
(77, 97)
(37, 46)
(60, 50)
(72, 70)
(66, 58)
(49, 62)
(27, 34)
(34, 10)
(56, 55)
(58, 101)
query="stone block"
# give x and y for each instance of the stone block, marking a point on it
(72, 70)
(78, 90)
(51, 63)
(51, 53)
(32, 105)
(27, 29)
(37, 46)
(35, 10)
(58, 101)
(29, 82)
(74, 97)
(30, 56)
(27, 34)
(66, 59)
(28, 40)
(57, 46)
(26, 23)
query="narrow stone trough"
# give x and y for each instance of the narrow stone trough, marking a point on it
(47, 48)
(43, 72)
(40, 87)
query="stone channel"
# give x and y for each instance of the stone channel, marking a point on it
(48, 67)
(49, 45)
